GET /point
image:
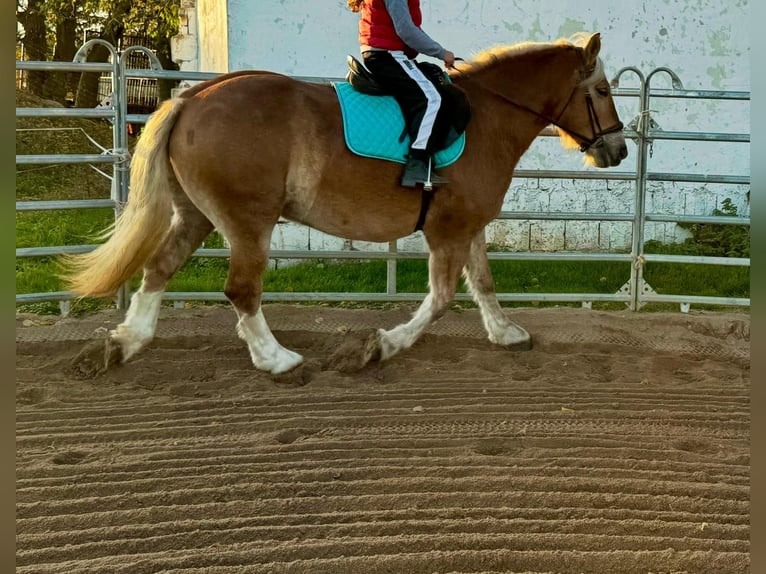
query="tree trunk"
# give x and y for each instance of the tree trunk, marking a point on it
(58, 85)
(35, 43)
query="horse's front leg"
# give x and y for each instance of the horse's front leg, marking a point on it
(478, 276)
(444, 265)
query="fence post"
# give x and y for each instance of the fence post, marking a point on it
(119, 134)
(122, 168)
(637, 235)
(639, 228)
(393, 249)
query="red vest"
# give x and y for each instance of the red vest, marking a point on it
(376, 29)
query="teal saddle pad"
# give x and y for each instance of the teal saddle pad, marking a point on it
(372, 126)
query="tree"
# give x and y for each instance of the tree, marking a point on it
(62, 24)
(31, 15)
(65, 22)
(158, 21)
(112, 30)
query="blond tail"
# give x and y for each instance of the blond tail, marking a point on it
(141, 226)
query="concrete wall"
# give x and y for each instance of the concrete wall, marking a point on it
(214, 36)
(706, 42)
(202, 43)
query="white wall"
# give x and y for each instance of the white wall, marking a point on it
(212, 21)
(706, 42)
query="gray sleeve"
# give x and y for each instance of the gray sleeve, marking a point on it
(410, 34)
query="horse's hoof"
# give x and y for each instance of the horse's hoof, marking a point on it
(521, 345)
(282, 363)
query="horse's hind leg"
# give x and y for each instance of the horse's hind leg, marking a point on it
(444, 265)
(244, 287)
(478, 276)
(188, 229)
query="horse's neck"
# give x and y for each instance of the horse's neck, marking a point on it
(521, 93)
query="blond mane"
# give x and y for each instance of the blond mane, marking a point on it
(500, 52)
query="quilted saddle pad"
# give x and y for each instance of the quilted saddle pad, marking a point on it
(373, 124)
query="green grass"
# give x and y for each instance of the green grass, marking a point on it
(61, 226)
(702, 280)
(208, 275)
(61, 182)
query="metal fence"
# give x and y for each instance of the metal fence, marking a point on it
(642, 130)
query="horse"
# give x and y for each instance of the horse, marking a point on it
(237, 152)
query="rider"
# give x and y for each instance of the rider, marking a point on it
(390, 38)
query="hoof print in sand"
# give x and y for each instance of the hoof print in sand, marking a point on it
(69, 457)
(298, 376)
(94, 359)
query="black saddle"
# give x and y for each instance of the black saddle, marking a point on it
(361, 79)
(454, 114)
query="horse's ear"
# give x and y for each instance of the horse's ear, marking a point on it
(592, 49)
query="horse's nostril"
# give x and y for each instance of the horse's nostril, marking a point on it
(623, 152)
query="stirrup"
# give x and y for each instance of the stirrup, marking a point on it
(432, 178)
(418, 171)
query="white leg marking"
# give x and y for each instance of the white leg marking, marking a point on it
(135, 332)
(265, 350)
(478, 278)
(501, 330)
(404, 336)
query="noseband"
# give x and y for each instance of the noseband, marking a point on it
(595, 125)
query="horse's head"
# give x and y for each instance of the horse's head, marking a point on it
(590, 121)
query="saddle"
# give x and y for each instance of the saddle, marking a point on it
(455, 111)
(370, 115)
(361, 79)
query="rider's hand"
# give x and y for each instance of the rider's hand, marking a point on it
(449, 59)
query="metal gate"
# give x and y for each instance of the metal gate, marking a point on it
(643, 130)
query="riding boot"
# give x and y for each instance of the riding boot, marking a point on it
(417, 171)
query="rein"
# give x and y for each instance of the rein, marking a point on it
(595, 126)
(585, 142)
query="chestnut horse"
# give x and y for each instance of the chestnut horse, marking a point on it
(237, 152)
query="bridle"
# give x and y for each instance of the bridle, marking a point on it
(595, 125)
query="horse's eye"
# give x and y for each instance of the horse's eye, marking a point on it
(603, 91)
